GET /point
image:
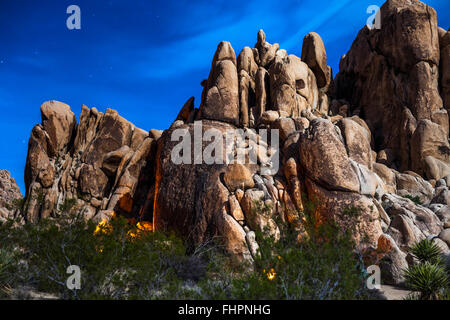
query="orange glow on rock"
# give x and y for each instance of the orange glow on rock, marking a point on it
(271, 274)
(103, 227)
(158, 178)
(126, 203)
(141, 227)
(144, 226)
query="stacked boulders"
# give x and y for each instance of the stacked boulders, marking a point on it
(396, 79)
(240, 91)
(96, 165)
(373, 143)
(275, 91)
(391, 77)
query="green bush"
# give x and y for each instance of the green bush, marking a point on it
(67, 205)
(322, 265)
(16, 204)
(429, 279)
(7, 269)
(303, 271)
(119, 261)
(426, 251)
(5, 262)
(415, 199)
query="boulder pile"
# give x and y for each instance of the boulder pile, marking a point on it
(375, 138)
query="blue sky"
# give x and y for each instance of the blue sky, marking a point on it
(144, 58)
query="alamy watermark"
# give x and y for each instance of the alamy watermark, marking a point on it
(374, 21)
(73, 22)
(374, 280)
(74, 280)
(232, 146)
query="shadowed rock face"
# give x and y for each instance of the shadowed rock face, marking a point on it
(97, 163)
(376, 134)
(391, 77)
(444, 38)
(198, 210)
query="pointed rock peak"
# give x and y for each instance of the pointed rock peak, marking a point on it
(261, 36)
(9, 194)
(85, 108)
(225, 52)
(53, 106)
(246, 61)
(315, 56)
(220, 100)
(59, 122)
(403, 4)
(186, 110)
(266, 51)
(111, 112)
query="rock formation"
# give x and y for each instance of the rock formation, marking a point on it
(10, 196)
(98, 163)
(390, 77)
(373, 139)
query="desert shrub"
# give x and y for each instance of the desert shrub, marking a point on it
(67, 205)
(414, 199)
(39, 196)
(222, 272)
(8, 267)
(426, 251)
(428, 279)
(16, 204)
(6, 260)
(320, 265)
(117, 260)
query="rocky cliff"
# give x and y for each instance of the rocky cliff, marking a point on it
(373, 138)
(10, 197)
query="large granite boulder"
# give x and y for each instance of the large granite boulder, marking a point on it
(391, 77)
(222, 89)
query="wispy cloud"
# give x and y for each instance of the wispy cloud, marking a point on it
(315, 21)
(195, 52)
